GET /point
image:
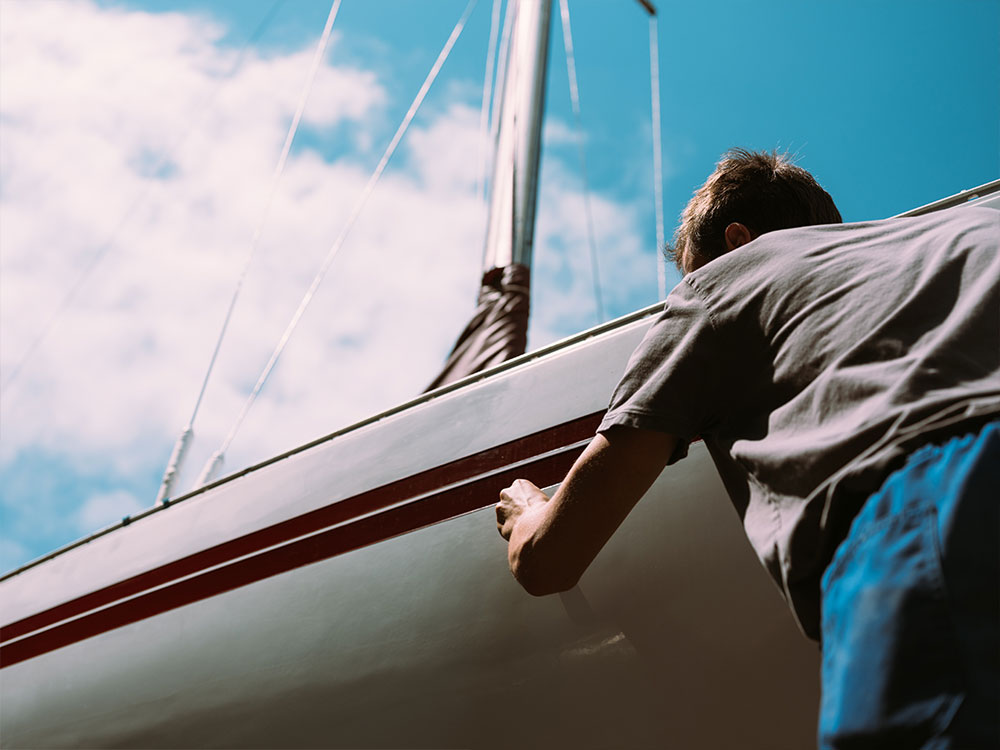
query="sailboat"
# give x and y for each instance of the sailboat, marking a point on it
(353, 592)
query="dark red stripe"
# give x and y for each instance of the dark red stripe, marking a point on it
(476, 494)
(338, 512)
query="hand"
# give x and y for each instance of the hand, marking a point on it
(514, 501)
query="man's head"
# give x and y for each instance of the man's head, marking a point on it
(748, 194)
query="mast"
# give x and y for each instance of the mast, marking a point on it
(498, 329)
(514, 186)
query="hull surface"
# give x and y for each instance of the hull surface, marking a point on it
(355, 594)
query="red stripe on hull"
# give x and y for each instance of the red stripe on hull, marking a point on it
(351, 535)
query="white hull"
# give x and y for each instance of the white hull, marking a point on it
(423, 639)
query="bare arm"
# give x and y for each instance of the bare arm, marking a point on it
(553, 541)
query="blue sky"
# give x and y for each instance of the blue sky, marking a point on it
(892, 103)
(126, 135)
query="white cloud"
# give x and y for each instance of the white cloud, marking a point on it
(92, 100)
(119, 126)
(106, 508)
(562, 260)
(558, 133)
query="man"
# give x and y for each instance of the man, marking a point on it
(846, 381)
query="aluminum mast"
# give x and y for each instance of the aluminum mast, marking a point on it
(498, 329)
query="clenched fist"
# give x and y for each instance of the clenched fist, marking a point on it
(514, 501)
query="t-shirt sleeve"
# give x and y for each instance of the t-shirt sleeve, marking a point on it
(671, 382)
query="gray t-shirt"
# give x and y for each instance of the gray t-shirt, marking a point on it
(812, 361)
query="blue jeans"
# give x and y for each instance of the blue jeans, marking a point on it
(911, 607)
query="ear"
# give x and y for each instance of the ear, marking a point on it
(736, 236)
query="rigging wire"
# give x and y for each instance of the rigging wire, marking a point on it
(654, 76)
(574, 93)
(177, 455)
(99, 256)
(213, 464)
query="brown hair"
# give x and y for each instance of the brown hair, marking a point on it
(762, 190)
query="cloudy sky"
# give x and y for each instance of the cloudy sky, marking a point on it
(138, 142)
